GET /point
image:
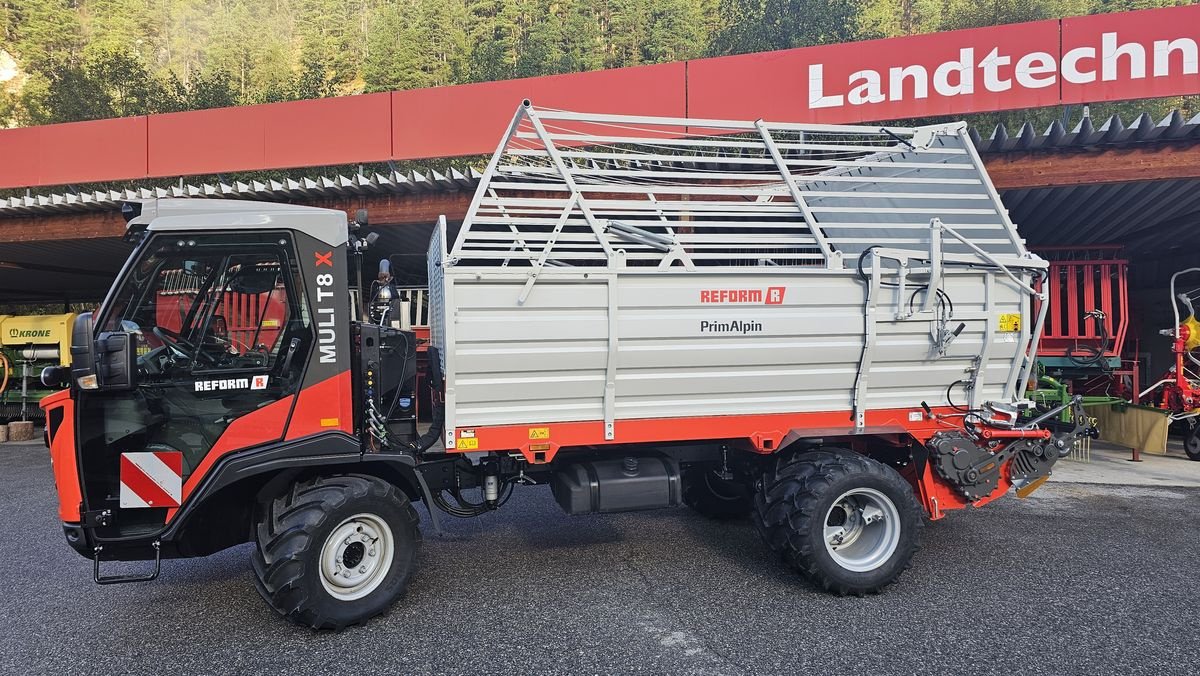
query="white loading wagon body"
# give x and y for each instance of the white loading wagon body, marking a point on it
(616, 268)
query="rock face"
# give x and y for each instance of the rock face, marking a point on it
(20, 431)
(11, 77)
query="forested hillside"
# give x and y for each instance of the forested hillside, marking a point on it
(86, 59)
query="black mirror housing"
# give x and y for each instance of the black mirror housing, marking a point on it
(116, 360)
(83, 356)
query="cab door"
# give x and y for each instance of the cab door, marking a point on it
(223, 338)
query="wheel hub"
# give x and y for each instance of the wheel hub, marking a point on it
(862, 529)
(354, 554)
(356, 557)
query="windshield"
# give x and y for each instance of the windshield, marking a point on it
(198, 304)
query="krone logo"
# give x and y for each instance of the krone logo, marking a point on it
(28, 333)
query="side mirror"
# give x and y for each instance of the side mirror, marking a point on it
(116, 365)
(83, 356)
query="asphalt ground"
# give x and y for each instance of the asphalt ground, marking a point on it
(1079, 579)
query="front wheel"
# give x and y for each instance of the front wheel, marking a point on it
(848, 523)
(335, 551)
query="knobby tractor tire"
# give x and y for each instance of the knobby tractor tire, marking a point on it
(712, 496)
(795, 501)
(1191, 443)
(293, 529)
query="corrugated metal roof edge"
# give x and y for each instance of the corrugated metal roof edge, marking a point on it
(1113, 132)
(317, 187)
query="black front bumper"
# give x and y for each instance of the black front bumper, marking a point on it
(83, 540)
(77, 537)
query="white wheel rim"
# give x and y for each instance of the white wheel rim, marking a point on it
(862, 530)
(356, 557)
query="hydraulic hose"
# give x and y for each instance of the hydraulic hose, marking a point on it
(433, 434)
(435, 377)
(1092, 354)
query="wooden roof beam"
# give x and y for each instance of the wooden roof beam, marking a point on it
(1089, 166)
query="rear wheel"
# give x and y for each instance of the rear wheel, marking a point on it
(848, 523)
(713, 495)
(335, 551)
(1191, 443)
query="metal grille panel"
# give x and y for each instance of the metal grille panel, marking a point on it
(570, 189)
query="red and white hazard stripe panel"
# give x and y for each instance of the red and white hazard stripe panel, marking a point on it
(151, 479)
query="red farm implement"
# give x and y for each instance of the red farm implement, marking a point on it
(1082, 350)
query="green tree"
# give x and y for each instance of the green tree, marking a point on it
(443, 26)
(392, 50)
(121, 25)
(107, 84)
(975, 13)
(210, 89)
(44, 34)
(417, 43)
(250, 42)
(539, 39)
(186, 38)
(495, 31)
(627, 23)
(326, 32)
(1106, 6)
(891, 18)
(581, 40)
(762, 25)
(674, 31)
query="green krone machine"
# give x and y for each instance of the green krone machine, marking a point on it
(29, 343)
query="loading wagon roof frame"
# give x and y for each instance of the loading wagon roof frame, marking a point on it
(516, 229)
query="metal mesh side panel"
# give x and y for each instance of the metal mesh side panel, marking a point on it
(571, 189)
(437, 292)
(942, 185)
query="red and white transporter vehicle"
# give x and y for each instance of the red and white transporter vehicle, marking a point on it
(825, 328)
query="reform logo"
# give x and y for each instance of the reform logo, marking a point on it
(255, 383)
(772, 295)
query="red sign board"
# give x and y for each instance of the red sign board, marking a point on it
(247, 138)
(1107, 57)
(1134, 55)
(57, 154)
(471, 119)
(938, 74)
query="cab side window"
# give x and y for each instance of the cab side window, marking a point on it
(251, 306)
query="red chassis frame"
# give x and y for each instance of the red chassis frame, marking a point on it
(762, 434)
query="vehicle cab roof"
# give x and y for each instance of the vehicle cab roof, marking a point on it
(190, 214)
